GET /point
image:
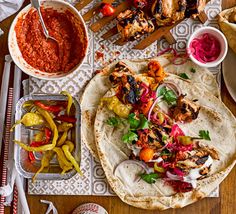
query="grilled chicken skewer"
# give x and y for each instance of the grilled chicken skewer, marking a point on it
(132, 24)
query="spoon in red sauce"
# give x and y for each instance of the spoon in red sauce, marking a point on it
(36, 5)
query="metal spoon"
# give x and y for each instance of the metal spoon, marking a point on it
(36, 5)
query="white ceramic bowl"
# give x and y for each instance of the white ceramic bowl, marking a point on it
(15, 52)
(221, 38)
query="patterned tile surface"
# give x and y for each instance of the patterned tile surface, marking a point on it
(94, 181)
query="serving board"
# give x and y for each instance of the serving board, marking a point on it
(94, 181)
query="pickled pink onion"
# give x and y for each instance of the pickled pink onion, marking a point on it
(178, 59)
(205, 48)
(176, 131)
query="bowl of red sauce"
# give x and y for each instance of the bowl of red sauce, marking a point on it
(44, 58)
(207, 47)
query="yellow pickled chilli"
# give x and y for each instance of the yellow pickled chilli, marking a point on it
(70, 101)
(45, 162)
(30, 119)
(61, 156)
(64, 167)
(161, 117)
(46, 147)
(39, 136)
(185, 140)
(158, 168)
(64, 127)
(69, 156)
(62, 139)
(114, 104)
(28, 104)
(71, 145)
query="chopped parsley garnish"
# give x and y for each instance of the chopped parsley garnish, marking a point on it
(141, 123)
(204, 134)
(184, 76)
(164, 138)
(129, 137)
(134, 123)
(150, 178)
(193, 70)
(168, 95)
(114, 121)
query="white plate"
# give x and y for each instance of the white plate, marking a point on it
(229, 73)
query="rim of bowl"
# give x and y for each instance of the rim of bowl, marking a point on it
(208, 64)
(26, 10)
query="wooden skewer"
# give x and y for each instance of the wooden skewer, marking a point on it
(120, 42)
(157, 34)
(80, 5)
(170, 38)
(105, 20)
(202, 17)
(94, 10)
(112, 32)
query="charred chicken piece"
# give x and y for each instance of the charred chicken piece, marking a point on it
(185, 110)
(123, 79)
(127, 88)
(212, 152)
(194, 7)
(132, 24)
(168, 12)
(120, 69)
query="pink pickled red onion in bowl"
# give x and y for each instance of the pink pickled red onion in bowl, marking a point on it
(205, 48)
(204, 51)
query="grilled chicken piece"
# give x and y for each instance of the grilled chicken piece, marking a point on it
(120, 69)
(127, 88)
(132, 24)
(213, 153)
(168, 12)
(204, 171)
(194, 7)
(185, 110)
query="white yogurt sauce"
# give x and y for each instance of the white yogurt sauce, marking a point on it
(194, 174)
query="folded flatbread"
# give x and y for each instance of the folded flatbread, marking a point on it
(100, 84)
(227, 22)
(213, 116)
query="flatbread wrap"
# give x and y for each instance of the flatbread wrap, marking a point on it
(100, 84)
(171, 155)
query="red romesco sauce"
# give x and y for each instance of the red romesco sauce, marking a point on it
(47, 55)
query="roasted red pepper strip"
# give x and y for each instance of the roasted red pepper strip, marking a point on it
(52, 108)
(34, 144)
(48, 134)
(31, 156)
(37, 143)
(67, 119)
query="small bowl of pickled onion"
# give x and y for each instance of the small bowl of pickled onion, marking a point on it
(207, 47)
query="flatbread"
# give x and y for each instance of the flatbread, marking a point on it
(213, 116)
(228, 26)
(100, 84)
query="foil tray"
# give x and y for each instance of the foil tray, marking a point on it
(23, 165)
